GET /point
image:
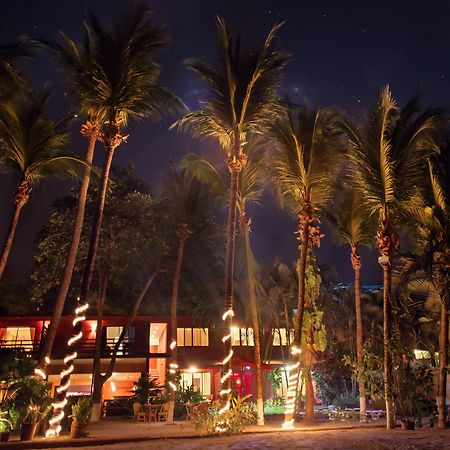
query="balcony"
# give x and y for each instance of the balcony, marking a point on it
(85, 348)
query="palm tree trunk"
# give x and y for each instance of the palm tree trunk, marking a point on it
(356, 263)
(93, 245)
(235, 166)
(97, 382)
(255, 320)
(20, 199)
(387, 311)
(87, 276)
(182, 234)
(443, 358)
(71, 258)
(309, 391)
(298, 319)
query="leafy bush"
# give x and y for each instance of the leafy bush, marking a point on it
(346, 401)
(82, 410)
(230, 422)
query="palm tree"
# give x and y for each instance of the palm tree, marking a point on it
(120, 83)
(186, 201)
(387, 163)
(31, 146)
(75, 61)
(305, 164)
(352, 226)
(250, 188)
(431, 217)
(242, 101)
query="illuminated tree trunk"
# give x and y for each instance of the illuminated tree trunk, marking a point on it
(309, 389)
(183, 233)
(245, 225)
(20, 199)
(90, 130)
(235, 165)
(303, 237)
(112, 141)
(387, 244)
(356, 264)
(443, 357)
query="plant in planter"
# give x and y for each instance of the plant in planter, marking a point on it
(81, 414)
(5, 427)
(32, 399)
(35, 412)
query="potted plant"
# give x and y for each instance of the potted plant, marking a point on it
(81, 413)
(31, 398)
(5, 426)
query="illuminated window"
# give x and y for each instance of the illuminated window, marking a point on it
(199, 381)
(422, 354)
(20, 336)
(192, 337)
(242, 336)
(280, 337)
(113, 334)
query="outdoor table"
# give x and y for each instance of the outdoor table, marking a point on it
(152, 411)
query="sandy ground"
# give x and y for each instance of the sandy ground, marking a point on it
(361, 439)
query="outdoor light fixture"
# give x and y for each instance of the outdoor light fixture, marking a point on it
(229, 313)
(58, 406)
(294, 373)
(192, 369)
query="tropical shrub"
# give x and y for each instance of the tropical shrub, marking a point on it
(230, 422)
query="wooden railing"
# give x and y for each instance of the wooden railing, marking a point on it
(85, 348)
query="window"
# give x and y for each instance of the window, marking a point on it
(200, 381)
(113, 334)
(280, 337)
(192, 337)
(20, 336)
(242, 336)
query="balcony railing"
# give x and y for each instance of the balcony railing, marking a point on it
(85, 348)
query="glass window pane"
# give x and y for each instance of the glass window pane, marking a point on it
(188, 337)
(250, 337)
(235, 332)
(180, 337)
(244, 336)
(204, 337)
(197, 338)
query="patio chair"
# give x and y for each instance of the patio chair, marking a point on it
(138, 412)
(202, 408)
(164, 411)
(189, 410)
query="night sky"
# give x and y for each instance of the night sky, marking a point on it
(344, 52)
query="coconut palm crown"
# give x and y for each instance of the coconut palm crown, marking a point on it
(113, 75)
(241, 95)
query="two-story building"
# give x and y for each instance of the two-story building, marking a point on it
(146, 349)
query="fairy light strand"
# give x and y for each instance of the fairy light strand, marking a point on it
(294, 375)
(224, 391)
(64, 375)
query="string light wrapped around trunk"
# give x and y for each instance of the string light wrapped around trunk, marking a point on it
(294, 375)
(226, 363)
(64, 375)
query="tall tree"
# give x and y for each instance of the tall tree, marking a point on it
(249, 190)
(242, 100)
(32, 149)
(352, 226)
(387, 163)
(121, 83)
(305, 164)
(186, 201)
(75, 61)
(431, 217)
